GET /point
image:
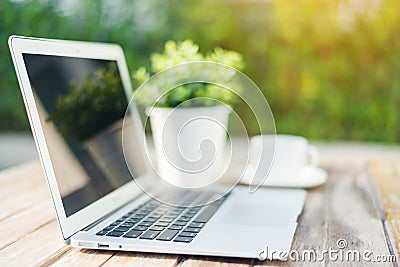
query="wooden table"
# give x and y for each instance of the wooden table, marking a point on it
(360, 204)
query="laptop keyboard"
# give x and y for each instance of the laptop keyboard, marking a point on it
(154, 220)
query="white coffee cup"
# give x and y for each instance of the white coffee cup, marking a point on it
(292, 155)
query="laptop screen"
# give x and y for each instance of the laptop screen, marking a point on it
(82, 104)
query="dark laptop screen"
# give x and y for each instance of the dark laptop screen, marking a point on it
(81, 104)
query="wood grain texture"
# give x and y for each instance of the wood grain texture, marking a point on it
(21, 187)
(385, 176)
(347, 207)
(24, 203)
(34, 249)
(81, 257)
(142, 259)
(197, 261)
(21, 224)
(352, 215)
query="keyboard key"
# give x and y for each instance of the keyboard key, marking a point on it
(115, 234)
(133, 234)
(166, 220)
(154, 217)
(175, 227)
(140, 228)
(146, 210)
(196, 209)
(172, 214)
(183, 239)
(157, 228)
(102, 232)
(169, 217)
(128, 224)
(192, 229)
(161, 224)
(138, 216)
(192, 211)
(184, 219)
(189, 215)
(108, 228)
(197, 224)
(187, 234)
(141, 213)
(121, 229)
(162, 209)
(180, 223)
(177, 209)
(145, 224)
(150, 220)
(206, 214)
(150, 234)
(168, 235)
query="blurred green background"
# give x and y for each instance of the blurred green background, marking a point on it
(329, 69)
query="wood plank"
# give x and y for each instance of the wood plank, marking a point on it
(36, 248)
(81, 257)
(142, 259)
(386, 178)
(15, 177)
(352, 215)
(23, 200)
(344, 208)
(21, 187)
(24, 223)
(198, 261)
(392, 223)
(19, 170)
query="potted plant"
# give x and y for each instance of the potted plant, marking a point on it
(92, 113)
(189, 121)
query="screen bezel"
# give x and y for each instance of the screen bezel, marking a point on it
(22, 45)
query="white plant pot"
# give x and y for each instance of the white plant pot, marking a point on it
(190, 144)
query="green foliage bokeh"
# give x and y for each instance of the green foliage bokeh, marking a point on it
(329, 68)
(176, 53)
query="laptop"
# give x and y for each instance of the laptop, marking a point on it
(99, 203)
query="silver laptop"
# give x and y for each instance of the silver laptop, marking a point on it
(98, 201)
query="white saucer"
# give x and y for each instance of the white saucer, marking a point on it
(309, 177)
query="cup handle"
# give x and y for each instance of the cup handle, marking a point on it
(314, 155)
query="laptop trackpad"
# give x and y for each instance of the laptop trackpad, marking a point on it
(258, 215)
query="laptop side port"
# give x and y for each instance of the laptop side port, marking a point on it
(103, 245)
